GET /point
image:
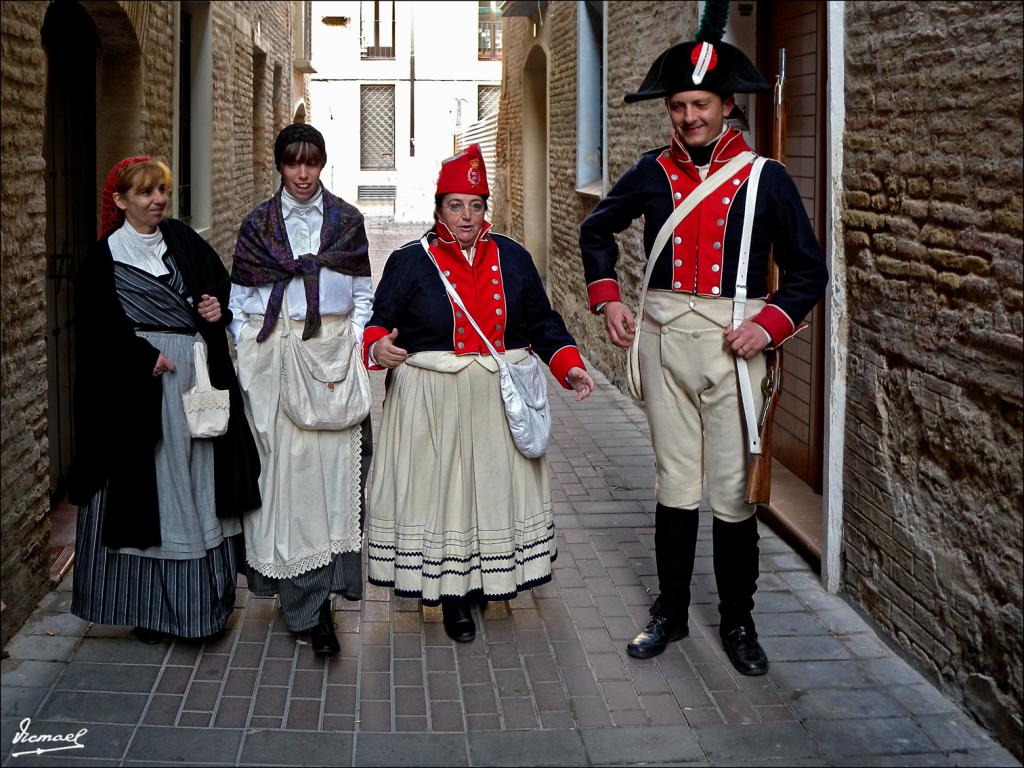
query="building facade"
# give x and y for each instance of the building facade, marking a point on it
(391, 101)
(202, 86)
(902, 412)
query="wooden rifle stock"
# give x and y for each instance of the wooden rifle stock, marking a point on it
(759, 473)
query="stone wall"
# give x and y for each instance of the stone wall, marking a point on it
(24, 479)
(643, 28)
(135, 114)
(933, 221)
(241, 177)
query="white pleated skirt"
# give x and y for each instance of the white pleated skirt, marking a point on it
(453, 508)
(309, 479)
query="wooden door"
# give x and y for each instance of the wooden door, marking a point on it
(799, 26)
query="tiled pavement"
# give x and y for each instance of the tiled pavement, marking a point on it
(546, 682)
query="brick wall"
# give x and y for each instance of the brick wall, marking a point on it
(24, 479)
(933, 220)
(238, 185)
(136, 114)
(646, 28)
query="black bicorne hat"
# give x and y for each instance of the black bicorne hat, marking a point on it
(703, 64)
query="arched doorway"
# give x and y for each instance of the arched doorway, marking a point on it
(70, 41)
(536, 217)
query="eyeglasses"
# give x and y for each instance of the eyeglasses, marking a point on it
(456, 207)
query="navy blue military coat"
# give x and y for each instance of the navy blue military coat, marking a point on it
(702, 255)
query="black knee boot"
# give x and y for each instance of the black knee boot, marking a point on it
(675, 544)
(736, 570)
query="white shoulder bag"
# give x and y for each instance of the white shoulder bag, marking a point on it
(324, 384)
(705, 188)
(524, 389)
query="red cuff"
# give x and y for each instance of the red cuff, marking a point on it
(371, 335)
(601, 291)
(778, 324)
(563, 361)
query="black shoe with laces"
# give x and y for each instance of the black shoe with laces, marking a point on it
(322, 636)
(148, 636)
(653, 639)
(745, 653)
(458, 622)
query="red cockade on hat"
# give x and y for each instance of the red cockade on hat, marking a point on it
(464, 173)
(704, 58)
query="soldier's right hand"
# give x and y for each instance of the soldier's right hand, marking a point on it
(619, 324)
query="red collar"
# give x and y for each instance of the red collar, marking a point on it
(447, 237)
(729, 145)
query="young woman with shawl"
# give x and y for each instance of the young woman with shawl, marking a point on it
(159, 510)
(303, 251)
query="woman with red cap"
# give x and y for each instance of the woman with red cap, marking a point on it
(302, 262)
(454, 509)
(159, 515)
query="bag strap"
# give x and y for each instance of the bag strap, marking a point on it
(202, 371)
(284, 312)
(702, 190)
(739, 304)
(458, 300)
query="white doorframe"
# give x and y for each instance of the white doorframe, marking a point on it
(835, 316)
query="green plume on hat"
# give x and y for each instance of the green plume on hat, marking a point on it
(713, 21)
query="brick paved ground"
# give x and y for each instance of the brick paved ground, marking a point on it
(546, 682)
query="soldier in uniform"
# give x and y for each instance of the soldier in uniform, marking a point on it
(688, 348)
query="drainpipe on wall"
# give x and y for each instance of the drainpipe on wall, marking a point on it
(412, 86)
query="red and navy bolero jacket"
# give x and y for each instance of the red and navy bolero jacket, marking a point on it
(502, 290)
(702, 255)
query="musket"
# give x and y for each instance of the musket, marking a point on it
(759, 474)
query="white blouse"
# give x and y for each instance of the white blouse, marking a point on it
(145, 252)
(339, 294)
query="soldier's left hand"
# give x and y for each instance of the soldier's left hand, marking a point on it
(746, 341)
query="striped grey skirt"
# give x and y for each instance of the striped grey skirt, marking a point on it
(186, 586)
(184, 598)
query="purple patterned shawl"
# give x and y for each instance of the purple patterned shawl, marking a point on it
(263, 255)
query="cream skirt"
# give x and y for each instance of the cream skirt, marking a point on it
(454, 509)
(309, 479)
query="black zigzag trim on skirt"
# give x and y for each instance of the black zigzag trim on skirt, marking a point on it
(477, 593)
(476, 556)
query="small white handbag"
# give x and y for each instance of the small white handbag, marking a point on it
(524, 389)
(324, 384)
(206, 409)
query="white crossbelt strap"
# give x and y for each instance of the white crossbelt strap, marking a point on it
(702, 190)
(739, 304)
(458, 300)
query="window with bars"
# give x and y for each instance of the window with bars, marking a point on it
(377, 29)
(489, 35)
(377, 127)
(487, 97)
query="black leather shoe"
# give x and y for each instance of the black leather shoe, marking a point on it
(148, 636)
(745, 653)
(653, 638)
(322, 636)
(458, 622)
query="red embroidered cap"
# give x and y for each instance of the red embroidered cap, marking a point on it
(112, 217)
(464, 174)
